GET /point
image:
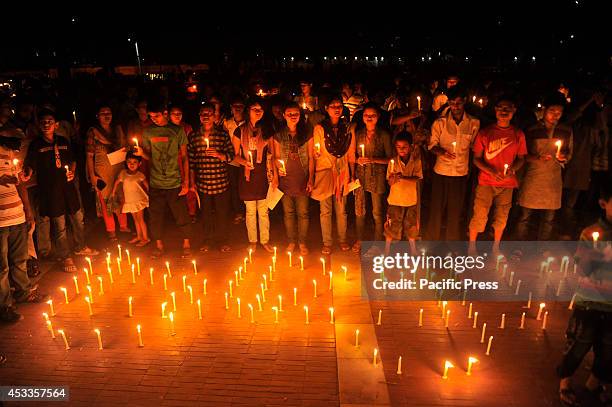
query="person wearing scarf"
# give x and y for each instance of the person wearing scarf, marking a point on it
(103, 139)
(252, 151)
(334, 163)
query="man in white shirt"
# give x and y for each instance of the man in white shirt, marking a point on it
(452, 136)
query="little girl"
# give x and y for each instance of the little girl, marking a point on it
(135, 198)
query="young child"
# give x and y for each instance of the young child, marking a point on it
(135, 198)
(590, 325)
(403, 173)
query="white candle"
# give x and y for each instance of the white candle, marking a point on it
(199, 308)
(284, 171)
(207, 141)
(274, 263)
(127, 252)
(454, 143)
(244, 264)
(595, 236)
(529, 301)
(392, 165)
(139, 330)
(318, 148)
(475, 319)
(259, 302)
(571, 304)
(251, 159)
(511, 279)
(489, 345)
(250, 255)
(522, 321)
(323, 264)
(76, 284)
(280, 302)
(331, 315)
(471, 361)
(399, 365)
(542, 305)
(119, 251)
(379, 317)
(61, 332)
(375, 361)
(447, 319)
(204, 285)
(518, 287)
(237, 278)
(444, 304)
(290, 260)
(558, 144)
(190, 289)
(184, 283)
(165, 282)
(168, 268)
(65, 291)
(470, 311)
(231, 291)
(362, 147)
(87, 275)
(226, 301)
(110, 275)
(345, 271)
(195, 267)
(88, 301)
(306, 311)
(119, 266)
(544, 320)
(130, 314)
(419, 103)
(50, 328)
(88, 260)
(331, 280)
(502, 325)
(173, 295)
(314, 283)
(505, 169)
(274, 248)
(138, 265)
(447, 365)
(239, 308)
(497, 263)
(151, 275)
(559, 287)
(275, 309)
(133, 275)
(356, 338)
(163, 307)
(270, 271)
(294, 296)
(484, 330)
(421, 317)
(97, 331)
(263, 294)
(252, 316)
(301, 263)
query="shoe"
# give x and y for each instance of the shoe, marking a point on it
(134, 240)
(326, 250)
(9, 315)
(87, 251)
(268, 248)
(303, 249)
(345, 247)
(32, 297)
(143, 243)
(290, 247)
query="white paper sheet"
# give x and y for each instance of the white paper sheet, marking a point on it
(116, 157)
(351, 187)
(273, 197)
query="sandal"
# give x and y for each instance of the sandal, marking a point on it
(303, 249)
(134, 240)
(326, 250)
(290, 247)
(567, 397)
(268, 248)
(356, 247)
(157, 253)
(205, 248)
(345, 247)
(143, 243)
(253, 247)
(69, 266)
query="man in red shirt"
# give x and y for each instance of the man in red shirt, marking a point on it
(499, 151)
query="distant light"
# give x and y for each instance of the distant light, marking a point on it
(306, 58)
(430, 58)
(376, 58)
(423, 59)
(345, 58)
(366, 58)
(292, 58)
(355, 58)
(467, 58)
(572, 36)
(335, 58)
(439, 53)
(325, 58)
(515, 59)
(382, 58)
(533, 59)
(129, 39)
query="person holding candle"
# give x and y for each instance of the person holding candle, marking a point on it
(102, 139)
(499, 151)
(209, 176)
(252, 150)
(294, 164)
(542, 185)
(334, 160)
(590, 325)
(403, 174)
(134, 187)
(449, 182)
(371, 169)
(161, 143)
(306, 99)
(47, 157)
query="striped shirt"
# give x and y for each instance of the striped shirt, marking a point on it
(11, 207)
(211, 175)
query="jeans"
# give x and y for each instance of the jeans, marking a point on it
(588, 329)
(296, 206)
(377, 213)
(545, 224)
(326, 219)
(13, 258)
(215, 213)
(255, 210)
(60, 237)
(43, 226)
(159, 200)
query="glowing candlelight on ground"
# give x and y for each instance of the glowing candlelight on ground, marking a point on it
(419, 103)
(522, 321)
(444, 304)
(171, 316)
(101, 285)
(306, 311)
(45, 316)
(284, 171)
(207, 141)
(258, 302)
(447, 365)
(270, 271)
(135, 140)
(529, 301)
(290, 259)
(356, 338)
(345, 271)
(331, 315)
(119, 251)
(173, 295)
(61, 332)
(130, 314)
(87, 275)
(502, 325)
(165, 282)
(595, 236)
(251, 311)
(274, 263)
(475, 319)
(447, 319)
(50, 328)
(195, 267)
(559, 287)
(323, 264)
(204, 284)
(489, 345)
(314, 283)
(294, 296)
(62, 289)
(470, 311)
(471, 361)
(88, 301)
(518, 287)
(226, 301)
(379, 322)
(274, 257)
(539, 317)
(263, 294)
(199, 309)
(163, 307)
(544, 320)
(280, 302)
(275, 309)
(362, 147)
(97, 331)
(238, 274)
(399, 365)
(133, 275)
(375, 361)
(138, 329)
(88, 260)
(184, 283)
(168, 268)
(484, 330)
(421, 317)
(239, 308)
(511, 281)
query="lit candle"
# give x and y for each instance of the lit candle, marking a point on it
(127, 252)
(303, 105)
(290, 259)
(50, 328)
(90, 294)
(375, 361)
(184, 283)
(544, 320)
(542, 305)
(173, 295)
(318, 148)
(274, 263)
(314, 283)
(306, 311)
(559, 287)
(119, 265)
(421, 317)
(110, 275)
(419, 103)
(135, 140)
(101, 285)
(165, 282)
(301, 263)
(140, 343)
(87, 275)
(558, 144)
(88, 260)
(294, 296)
(151, 275)
(237, 278)
(207, 141)
(45, 316)
(250, 255)
(244, 264)
(275, 309)
(498, 262)
(454, 143)
(331, 315)
(240, 273)
(511, 281)
(505, 169)
(522, 321)
(471, 361)
(199, 309)
(489, 345)
(280, 303)
(475, 319)
(88, 301)
(76, 284)
(163, 307)
(470, 311)
(133, 275)
(284, 171)
(331, 279)
(263, 294)
(595, 236)
(447, 318)
(484, 330)
(362, 147)
(190, 289)
(251, 311)
(323, 264)
(345, 271)
(274, 253)
(195, 267)
(61, 332)
(62, 289)
(226, 301)
(130, 314)
(444, 304)
(168, 268)
(258, 302)
(239, 308)
(571, 304)
(447, 365)
(171, 316)
(250, 158)
(356, 338)
(97, 331)
(138, 265)
(265, 282)
(379, 322)
(518, 287)
(399, 365)
(204, 285)
(529, 301)
(119, 251)
(502, 325)
(270, 270)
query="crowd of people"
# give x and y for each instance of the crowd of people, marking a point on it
(436, 161)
